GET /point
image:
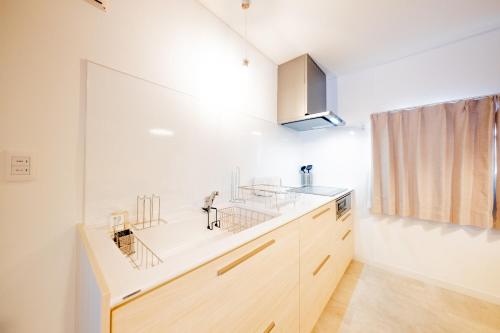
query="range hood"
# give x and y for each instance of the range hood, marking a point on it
(302, 96)
(316, 121)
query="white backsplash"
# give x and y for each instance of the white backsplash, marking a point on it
(143, 138)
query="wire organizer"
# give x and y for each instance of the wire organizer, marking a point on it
(148, 212)
(140, 256)
(235, 219)
(143, 257)
(270, 196)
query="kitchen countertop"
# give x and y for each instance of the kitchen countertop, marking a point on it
(192, 249)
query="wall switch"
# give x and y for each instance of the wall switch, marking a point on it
(18, 166)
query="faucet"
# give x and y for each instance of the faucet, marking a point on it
(209, 201)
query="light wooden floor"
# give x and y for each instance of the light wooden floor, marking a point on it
(369, 300)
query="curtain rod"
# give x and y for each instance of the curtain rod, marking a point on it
(445, 102)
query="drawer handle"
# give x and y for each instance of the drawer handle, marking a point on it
(346, 234)
(247, 256)
(345, 217)
(316, 271)
(320, 213)
(270, 327)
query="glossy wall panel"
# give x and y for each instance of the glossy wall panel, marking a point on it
(142, 137)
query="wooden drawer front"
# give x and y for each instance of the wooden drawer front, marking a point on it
(252, 289)
(345, 246)
(317, 271)
(343, 251)
(314, 224)
(343, 223)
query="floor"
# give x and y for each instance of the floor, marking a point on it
(369, 299)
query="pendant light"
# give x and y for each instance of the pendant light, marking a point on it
(245, 5)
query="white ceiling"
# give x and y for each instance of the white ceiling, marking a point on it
(345, 35)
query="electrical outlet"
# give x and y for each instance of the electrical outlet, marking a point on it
(18, 166)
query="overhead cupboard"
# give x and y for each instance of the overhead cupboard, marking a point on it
(279, 282)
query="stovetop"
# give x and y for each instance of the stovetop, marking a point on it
(319, 190)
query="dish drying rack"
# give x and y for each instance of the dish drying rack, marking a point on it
(148, 212)
(139, 255)
(269, 196)
(235, 219)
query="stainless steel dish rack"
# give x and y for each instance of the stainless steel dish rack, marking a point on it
(148, 212)
(269, 196)
(140, 256)
(235, 219)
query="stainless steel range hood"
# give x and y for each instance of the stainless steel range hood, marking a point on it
(302, 96)
(316, 121)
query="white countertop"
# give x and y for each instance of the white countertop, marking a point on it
(183, 244)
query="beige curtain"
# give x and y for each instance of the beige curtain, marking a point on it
(497, 185)
(435, 162)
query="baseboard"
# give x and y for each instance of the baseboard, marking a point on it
(432, 281)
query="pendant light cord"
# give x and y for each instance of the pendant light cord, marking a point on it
(246, 29)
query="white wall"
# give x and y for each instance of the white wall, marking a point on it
(462, 258)
(175, 43)
(203, 145)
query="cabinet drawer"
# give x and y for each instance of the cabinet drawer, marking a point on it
(318, 270)
(343, 224)
(345, 249)
(252, 289)
(314, 224)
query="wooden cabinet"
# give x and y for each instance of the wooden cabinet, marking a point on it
(254, 288)
(317, 264)
(326, 249)
(279, 282)
(345, 244)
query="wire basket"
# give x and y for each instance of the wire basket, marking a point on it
(140, 256)
(148, 212)
(269, 196)
(235, 219)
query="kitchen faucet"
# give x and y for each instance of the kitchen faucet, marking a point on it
(209, 201)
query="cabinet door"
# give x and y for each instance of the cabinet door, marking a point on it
(254, 288)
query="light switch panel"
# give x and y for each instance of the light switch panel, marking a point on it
(18, 166)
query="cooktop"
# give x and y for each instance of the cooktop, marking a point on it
(319, 190)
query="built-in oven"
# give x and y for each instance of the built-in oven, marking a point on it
(343, 205)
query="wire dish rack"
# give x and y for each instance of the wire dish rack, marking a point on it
(148, 212)
(140, 256)
(235, 219)
(269, 196)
